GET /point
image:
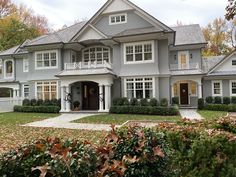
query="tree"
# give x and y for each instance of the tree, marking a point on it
(231, 10)
(6, 8)
(19, 23)
(218, 36)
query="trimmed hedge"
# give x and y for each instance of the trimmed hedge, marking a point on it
(145, 110)
(38, 109)
(175, 100)
(39, 102)
(201, 103)
(221, 107)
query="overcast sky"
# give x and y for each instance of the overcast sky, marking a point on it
(65, 12)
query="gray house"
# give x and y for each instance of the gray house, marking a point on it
(122, 51)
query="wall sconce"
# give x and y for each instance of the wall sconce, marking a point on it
(175, 57)
(191, 55)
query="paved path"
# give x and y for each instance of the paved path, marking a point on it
(64, 121)
(190, 114)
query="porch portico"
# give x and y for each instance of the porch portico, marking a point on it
(187, 88)
(93, 92)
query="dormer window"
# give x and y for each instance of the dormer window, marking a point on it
(117, 19)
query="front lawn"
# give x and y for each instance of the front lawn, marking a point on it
(12, 134)
(119, 119)
(208, 115)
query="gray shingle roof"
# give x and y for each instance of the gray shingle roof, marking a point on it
(209, 62)
(189, 34)
(9, 51)
(222, 73)
(64, 35)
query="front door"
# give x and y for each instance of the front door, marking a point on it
(184, 94)
(90, 96)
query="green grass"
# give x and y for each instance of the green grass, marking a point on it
(13, 135)
(208, 115)
(119, 119)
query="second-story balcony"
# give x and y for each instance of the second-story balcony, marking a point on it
(87, 65)
(190, 66)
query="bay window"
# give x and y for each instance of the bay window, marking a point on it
(139, 88)
(46, 59)
(46, 90)
(96, 54)
(139, 52)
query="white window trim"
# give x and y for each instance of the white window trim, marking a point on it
(117, 23)
(49, 67)
(230, 88)
(232, 63)
(57, 84)
(23, 90)
(212, 87)
(139, 43)
(153, 85)
(24, 62)
(88, 48)
(5, 69)
(179, 59)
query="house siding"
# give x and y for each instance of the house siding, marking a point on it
(133, 21)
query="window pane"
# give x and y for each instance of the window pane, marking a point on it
(53, 56)
(148, 94)
(123, 18)
(129, 57)
(113, 19)
(39, 63)
(130, 86)
(139, 94)
(53, 63)
(194, 88)
(138, 57)
(9, 67)
(118, 19)
(148, 56)
(233, 87)
(46, 63)
(54, 95)
(234, 62)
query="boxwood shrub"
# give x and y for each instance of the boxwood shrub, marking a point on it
(26, 102)
(134, 102)
(164, 102)
(226, 100)
(175, 100)
(209, 99)
(221, 107)
(144, 102)
(153, 102)
(233, 100)
(145, 110)
(201, 103)
(38, 109)
(217, 100)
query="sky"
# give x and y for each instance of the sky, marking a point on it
(66, 12)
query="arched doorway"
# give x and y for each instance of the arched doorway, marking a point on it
(87, 94)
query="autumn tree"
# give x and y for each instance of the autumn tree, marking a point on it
(18, 23)
(218, 36)
(231, 10)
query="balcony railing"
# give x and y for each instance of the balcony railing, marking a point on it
(184, 66)
(87, 65)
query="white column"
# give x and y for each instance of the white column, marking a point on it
(68, 102)
(172, 91)
(199, 90)
(18, 93)
(107, 97)
(63, 99)
(14, 93)
(101, 98)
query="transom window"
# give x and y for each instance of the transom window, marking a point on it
(139, 52)
(46, 90)
(26, 91)
(117, 19)
(233, 88)
(139, 88)
(98, 54)
(25, 65)
(46, 59)
(234, 62)
(217, 88)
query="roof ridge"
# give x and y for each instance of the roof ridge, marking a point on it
(196, 24)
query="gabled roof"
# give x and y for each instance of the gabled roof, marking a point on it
(137, 31)
(189, 34)
(222, 61)
(209, 62)
(141, 11)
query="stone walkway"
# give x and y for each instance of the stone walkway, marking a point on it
(65, 121)
(190, 114)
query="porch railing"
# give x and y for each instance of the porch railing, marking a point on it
(184, 66)
(87, 65)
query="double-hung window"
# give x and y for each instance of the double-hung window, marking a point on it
(139, 88)
(26, 91)
(233, 88)
(8, 69)
(46, 90)
(142, 52)
(217, 88)
(25, 65)
(46, 59)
